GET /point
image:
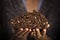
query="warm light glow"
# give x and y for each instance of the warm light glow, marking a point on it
(37, 29)
(48, 25)
(30, 30)
(26, 29)
(46, 22)
(44, 30)
(18, 21)
(21, 29)
(12, 23)
(32, 33)
(34, 30)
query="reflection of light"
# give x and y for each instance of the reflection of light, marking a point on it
(37, 29)
(48, 25)
(21, 29)
(32, 33)
(34, 30)
(46, 22)
(18, 21)
(23, 33)
(35, 17)
(30, 30)
(12, 23)
(44, 30)
(26, 29)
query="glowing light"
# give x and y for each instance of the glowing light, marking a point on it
(32, 33)
(44, 30)
(30, 30)
(26, 29)
(48, 25)
(34, 30)
(21, 29)
(37, 29)
(18, 21)
(12, 23)
(35, 17)
(46, 22)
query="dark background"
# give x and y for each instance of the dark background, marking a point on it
(11, 8)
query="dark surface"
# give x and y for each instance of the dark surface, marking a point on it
(50, 9)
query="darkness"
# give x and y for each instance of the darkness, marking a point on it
(11, 8)
(51, 10)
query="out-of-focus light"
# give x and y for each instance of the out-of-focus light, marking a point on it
(46, 22)
(33, 29)
(44, 30)
(12, 23)
(18, 21)
(32, 33)
(26, 29)
(48, 25)
(21, 29)
(37, 29)
(30, 30)
(35, 17)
